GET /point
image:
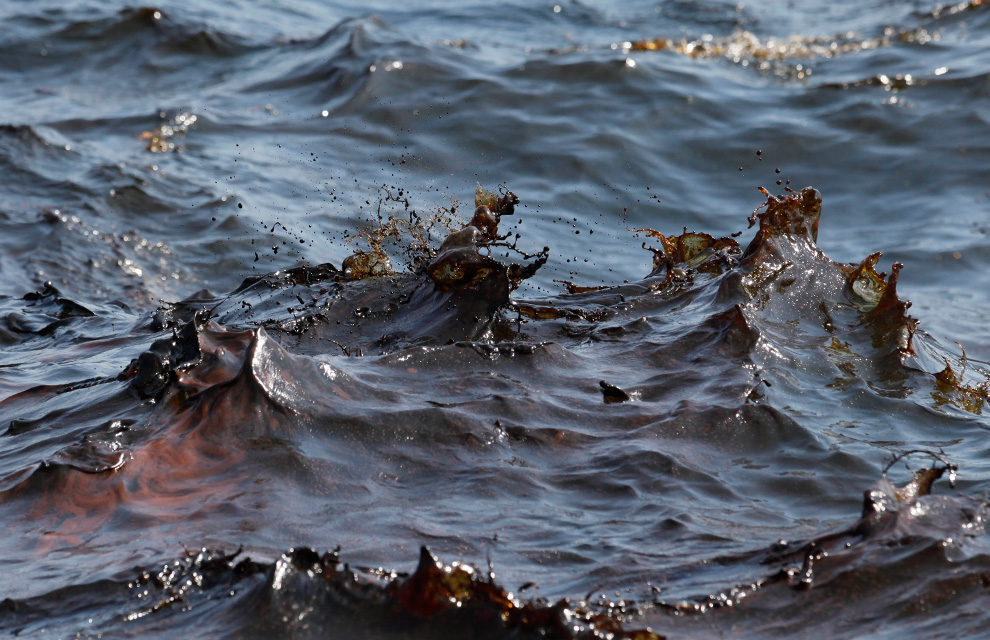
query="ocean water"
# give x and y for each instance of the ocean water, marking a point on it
(638, 407)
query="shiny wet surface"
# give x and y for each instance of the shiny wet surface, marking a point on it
(633, 431)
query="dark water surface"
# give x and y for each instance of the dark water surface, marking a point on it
(613, 440)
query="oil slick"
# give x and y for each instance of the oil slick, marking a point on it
(220, 389)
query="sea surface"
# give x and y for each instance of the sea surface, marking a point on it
(266, 372)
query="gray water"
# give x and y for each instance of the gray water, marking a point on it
(158, 155)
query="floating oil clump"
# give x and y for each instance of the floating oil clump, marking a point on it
(304, 590)
(161, 139)
(907, 516)
(792, 56)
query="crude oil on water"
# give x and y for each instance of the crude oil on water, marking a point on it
(568, 319)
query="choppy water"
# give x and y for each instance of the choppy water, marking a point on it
(683, 448)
